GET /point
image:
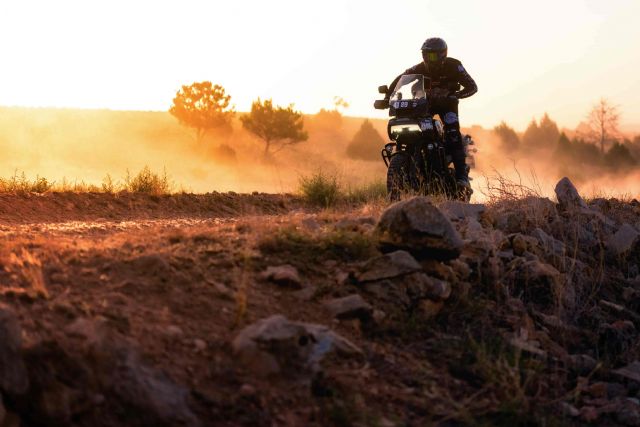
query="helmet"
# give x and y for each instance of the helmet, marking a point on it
(434, 51)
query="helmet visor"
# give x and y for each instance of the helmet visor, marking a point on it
(432, 56)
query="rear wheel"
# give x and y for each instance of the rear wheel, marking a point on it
(398, 176)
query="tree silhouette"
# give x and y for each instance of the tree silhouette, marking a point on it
(542, 136)
(276, 126)
(603, 122)
(509, 139)
(202, 106)
(366, 143)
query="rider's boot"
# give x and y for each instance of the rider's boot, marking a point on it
(462, 173)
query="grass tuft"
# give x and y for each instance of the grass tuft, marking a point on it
(320, 189)
(326, 191)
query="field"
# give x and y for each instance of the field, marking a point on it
(302, 297)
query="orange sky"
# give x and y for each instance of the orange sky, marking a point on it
(527, 57)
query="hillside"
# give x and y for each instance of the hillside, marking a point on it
(262, 310)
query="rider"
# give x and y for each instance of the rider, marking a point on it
(446, 75)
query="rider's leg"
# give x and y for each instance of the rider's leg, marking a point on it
(453, 139)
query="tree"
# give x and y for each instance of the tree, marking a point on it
(543, 136)
(509, 139)
(549, 133)
(619, 158)
(531, 135)
(276, 126)
(603, 122)
(202, 106)
(366, 143)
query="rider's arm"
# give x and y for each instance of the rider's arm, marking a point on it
(469, 86)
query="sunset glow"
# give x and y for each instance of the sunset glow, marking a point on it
(557, 57)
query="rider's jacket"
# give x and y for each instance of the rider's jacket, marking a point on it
(450, 77)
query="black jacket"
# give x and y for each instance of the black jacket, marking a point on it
(450, 76)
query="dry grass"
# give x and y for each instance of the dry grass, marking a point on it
(499, 188)
(146, 181)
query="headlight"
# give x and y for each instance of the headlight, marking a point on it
(405, 128)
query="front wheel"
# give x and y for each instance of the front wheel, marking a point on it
(398, 176)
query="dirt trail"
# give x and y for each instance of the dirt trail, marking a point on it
(28, 208)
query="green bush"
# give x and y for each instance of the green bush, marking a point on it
(148, 182)
(320, 189)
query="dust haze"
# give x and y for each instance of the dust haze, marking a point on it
(73, 146)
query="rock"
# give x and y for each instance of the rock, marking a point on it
(568, 196)
(583, 363)
(417, 226)
(276, 345)
(625, 241)
(247, 390)
(456, 210)
(521, 244)
(200, 345)
(98, 365)
(13, 373)
(387, 266)
(285, 275)
(629, 372)
(350, 307)
(148, 393)
(589, 414)
(311, 224)
(628, 413)
(305, 294)
(430, 309)
(569, 410)
(408, 291)
(537, 282)
(549, 244)
(174, 331)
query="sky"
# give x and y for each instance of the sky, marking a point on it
(527, 58)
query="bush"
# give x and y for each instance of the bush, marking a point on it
(320, 189)
(148, 182)
(20, 184)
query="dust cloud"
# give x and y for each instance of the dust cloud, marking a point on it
(73, 146)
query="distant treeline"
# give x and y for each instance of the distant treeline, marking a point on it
(574, 155)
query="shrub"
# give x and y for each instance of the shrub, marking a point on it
(320, 189)
(148, 182)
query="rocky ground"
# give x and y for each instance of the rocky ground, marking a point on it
(256, 310)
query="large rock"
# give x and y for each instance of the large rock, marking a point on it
(13, 374)
(387, 266)
(624, 242)
(536, 282)
(568, 196)
(276, 345)
(94, 365)
(417, 226)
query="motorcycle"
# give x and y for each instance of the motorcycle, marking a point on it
(415, 157)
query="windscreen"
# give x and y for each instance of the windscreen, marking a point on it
(409, 87)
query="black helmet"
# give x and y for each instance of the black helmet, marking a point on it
(434, 51)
